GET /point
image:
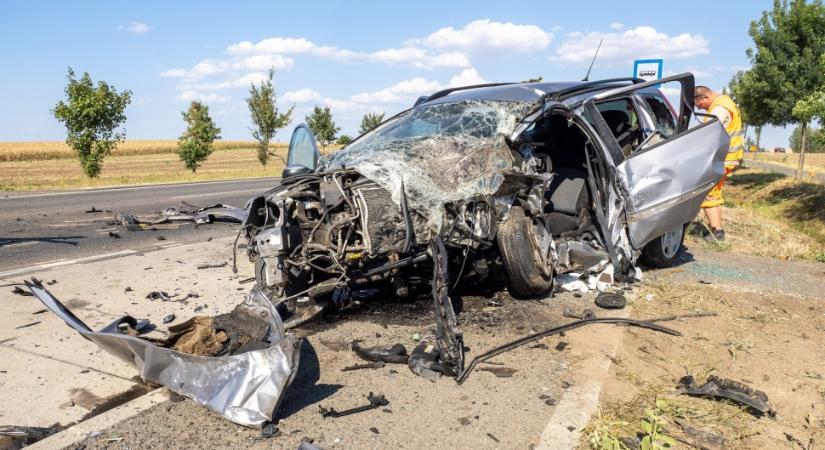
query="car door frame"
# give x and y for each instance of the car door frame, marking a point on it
(655, 200)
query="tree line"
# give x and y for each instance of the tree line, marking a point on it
(785, 84)
(94, 116)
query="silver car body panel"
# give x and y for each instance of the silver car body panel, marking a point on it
(245, 388)
(666, 183)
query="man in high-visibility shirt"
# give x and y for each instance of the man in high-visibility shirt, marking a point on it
(727, 112)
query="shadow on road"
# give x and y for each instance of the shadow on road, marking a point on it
(304, 391)
(68, 240)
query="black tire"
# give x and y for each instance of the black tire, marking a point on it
(527, 275)
(660, 253)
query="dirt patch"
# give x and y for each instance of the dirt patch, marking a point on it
(764, 340)
(84, 398)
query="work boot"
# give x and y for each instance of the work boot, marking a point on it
(716, 235)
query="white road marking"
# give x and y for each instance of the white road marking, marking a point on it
(53, 261)
(216, 193)
(61, 263)
(136, 188)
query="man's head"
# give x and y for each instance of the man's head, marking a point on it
(703, 96)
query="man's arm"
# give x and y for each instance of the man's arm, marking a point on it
(723, 115)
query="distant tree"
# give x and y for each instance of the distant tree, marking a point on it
(344, 139)
(265, 117)
(322, 126)
(370, 121)
(752, 97)
(786, 69)
(92, 115)
(815, 138)
(195, 144)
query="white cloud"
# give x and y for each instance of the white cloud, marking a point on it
(407, 55)
(488, 38)
(263, 62)
(192, 95)
(399, 92)
(467, 77)
(276, 45)
(237, 82)
(301, 96)
(174, 73)
(135, 27)
(618, 26)
(640, 42)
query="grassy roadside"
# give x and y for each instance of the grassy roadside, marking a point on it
(134, 162)
(769, 214)
(813, 161)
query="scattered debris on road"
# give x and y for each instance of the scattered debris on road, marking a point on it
(95, 210)
(396, 353)
(27, 325)
(198, 216)
(114, 235)
(573, 313)
(558, 330)
(699, 438)
(610, 300)
(211, 265)
(19, 291)
(376, 401)
(243, 381)
(370, 365)
(168, 318)
(14, 436)
(715, 387)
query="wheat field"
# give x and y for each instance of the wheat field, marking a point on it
(27, 166)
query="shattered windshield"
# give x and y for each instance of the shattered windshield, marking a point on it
(440, 153)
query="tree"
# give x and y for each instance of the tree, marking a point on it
(751, 95)
(344, 139)
(786, 69)
(195, 144)
(322, 126)
(815, 140)
(370, 121)
(92, 115)
(265, 117)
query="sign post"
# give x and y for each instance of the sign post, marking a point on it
(648, 69)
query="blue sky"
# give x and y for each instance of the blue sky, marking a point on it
(356, 58)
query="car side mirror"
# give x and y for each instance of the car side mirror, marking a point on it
(295, 169)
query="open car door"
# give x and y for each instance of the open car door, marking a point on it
(303, 154)
(663, 183)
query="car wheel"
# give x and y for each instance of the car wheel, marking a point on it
(663, 251)
(529, 274)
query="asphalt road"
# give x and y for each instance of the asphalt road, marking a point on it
(41, 228)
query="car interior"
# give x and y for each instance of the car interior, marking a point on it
(562, 143)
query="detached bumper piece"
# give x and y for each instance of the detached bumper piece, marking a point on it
(245, 386)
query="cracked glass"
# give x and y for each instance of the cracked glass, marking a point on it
(440, 153)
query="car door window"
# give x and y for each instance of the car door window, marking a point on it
(302, 149)
(623, 121)
(661, 113)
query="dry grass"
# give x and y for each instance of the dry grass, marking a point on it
(768, 214)
(39, 151)
(813, 161)
(134, 162)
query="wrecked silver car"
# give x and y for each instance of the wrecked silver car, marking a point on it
(540, 178)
